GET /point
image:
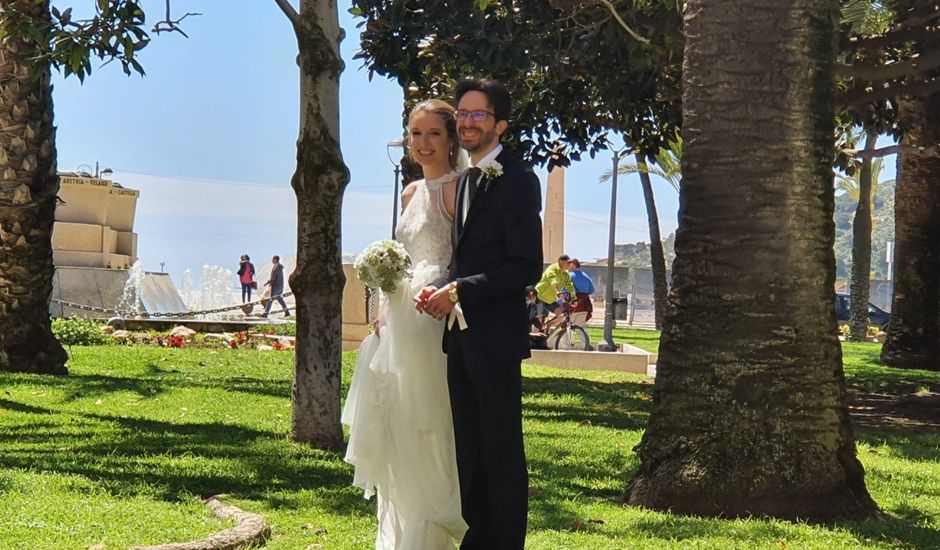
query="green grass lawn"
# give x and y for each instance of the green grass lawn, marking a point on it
(641, 338)
(120, 453)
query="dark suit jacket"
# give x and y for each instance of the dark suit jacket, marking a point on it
(496, 255)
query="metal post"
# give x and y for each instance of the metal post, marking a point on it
(395, 202)
(632, 280)
(608, 343)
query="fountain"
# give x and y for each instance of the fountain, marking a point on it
(215, 291)
(131, 304)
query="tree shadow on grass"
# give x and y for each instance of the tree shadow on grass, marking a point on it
(911, 444)
(886, 380)
(619, 405)
(169, 461)
(567, 418)
(157, 382)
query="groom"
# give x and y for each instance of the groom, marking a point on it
(497, 240)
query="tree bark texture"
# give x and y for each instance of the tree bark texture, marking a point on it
(657, 256)
(28, 187)
(861, 249)
(914, 332)
(749, 411)
(319, 182)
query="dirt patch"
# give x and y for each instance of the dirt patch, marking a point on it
(919, 410)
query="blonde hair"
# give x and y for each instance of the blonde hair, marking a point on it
(448, 116)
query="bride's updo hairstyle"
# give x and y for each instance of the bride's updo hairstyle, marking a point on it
(448, 116)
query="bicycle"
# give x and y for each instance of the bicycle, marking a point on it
(568, 334)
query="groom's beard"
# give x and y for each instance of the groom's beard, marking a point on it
(485, 140)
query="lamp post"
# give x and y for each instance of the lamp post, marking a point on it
(84, 170)
(105, 172)
(608, 343)
(400, 143)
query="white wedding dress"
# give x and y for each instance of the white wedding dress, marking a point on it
(401, 435)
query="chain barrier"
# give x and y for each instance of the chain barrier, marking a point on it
(167, 315)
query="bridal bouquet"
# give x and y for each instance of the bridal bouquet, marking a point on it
(383, 264)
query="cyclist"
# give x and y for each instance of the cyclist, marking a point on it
(551, 287)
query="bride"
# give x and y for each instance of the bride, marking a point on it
(401, 436)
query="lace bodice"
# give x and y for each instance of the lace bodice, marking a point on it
(424, 228)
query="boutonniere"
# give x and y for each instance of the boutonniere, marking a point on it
(491, 172)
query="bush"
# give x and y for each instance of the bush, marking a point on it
(283, 329)
(78, 332)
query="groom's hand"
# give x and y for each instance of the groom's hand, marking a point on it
(439, 304)
(421, 298)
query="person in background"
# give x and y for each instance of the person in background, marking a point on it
(552, 286)
(276, 282)
(537, 338)
(246, 276)
(583, 287)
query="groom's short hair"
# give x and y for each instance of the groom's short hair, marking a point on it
(495, 91)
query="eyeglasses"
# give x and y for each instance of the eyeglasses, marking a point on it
(477, 116)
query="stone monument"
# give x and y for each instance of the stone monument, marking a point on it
(94, 223)
(553, 223)
(94, 246)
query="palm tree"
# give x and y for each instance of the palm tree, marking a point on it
(749, 410)
(28, 187)
(914, 331)
(861, 186)
(666, 166)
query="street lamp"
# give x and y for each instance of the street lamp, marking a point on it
(399, 143)
(98, 170)
(608, 343)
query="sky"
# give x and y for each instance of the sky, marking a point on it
(208, 137)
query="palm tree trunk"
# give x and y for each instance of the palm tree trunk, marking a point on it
(657, 256)
(861, 249)
(749, 411)
(28, 187)
(319, 182)
(914, 332)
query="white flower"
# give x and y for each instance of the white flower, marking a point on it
(493, 170)
(383, 264)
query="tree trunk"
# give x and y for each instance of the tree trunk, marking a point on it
(861, 249)
(914, 332)
(749, 410)
(657, 256)
(319, 182)
(28, 187)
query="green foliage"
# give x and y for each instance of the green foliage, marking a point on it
(136, 433)
(641, 256)
(78, 332)
(575, 74)
(114, 32)
(666, 164)
(866, 17)
(281, 329)
(882, 232)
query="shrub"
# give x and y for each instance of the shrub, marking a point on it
(283, 329)
(78, 332)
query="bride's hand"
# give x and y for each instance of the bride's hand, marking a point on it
(377, 326)
(421, 298)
